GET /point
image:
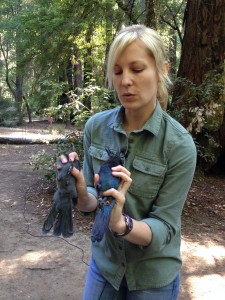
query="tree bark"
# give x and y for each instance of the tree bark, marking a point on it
(172, 54)
(202, 52)
(18, 92)
(203, 42)
(152, 8)
(78, 81)
(28, 109)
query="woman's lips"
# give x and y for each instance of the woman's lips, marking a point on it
(127, 95)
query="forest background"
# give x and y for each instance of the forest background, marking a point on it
(53, 55)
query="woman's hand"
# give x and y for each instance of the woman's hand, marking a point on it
(117, 223)
(74, 171)
(86, 201)
(72, 156)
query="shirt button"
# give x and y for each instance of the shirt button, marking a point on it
(123, 264)
(120, 247)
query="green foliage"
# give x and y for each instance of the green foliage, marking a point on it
(8, 113)
(172, 15)
(100, 98)
(48, 94)
(45, 162)
(76, 111)
(208, 150)
(202, 104)
(201, 108)
(40, 37)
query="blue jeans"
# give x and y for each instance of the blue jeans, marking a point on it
(98, 288)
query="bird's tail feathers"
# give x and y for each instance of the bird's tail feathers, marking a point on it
(48, 224)
(102, 219)
(64, 223)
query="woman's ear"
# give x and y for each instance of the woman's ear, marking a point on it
(166, 68)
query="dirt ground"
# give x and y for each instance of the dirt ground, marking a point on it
(38, 267)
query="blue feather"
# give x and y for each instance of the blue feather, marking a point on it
(106, 204)
(102, 219)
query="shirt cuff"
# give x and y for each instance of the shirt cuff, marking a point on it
(160, 234)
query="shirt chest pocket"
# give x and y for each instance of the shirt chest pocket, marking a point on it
(147, 176)
(98, 156)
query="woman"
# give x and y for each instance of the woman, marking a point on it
(139, 257)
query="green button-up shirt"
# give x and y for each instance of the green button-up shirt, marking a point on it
(161, 158)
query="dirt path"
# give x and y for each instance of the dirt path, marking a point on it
(39, 268)
(32, 266)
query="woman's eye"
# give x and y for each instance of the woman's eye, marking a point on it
(117, 72)
(137, 70)
(134, 70)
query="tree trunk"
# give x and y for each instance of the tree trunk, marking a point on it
(152, 8)
(1, 77)
(78, 80)
(172, 54)
(203, 42)
(202, 74)
(18, 92)
(88, 65)
(28, 109)
(69, 74)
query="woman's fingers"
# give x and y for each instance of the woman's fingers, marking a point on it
(72, 157)
(63, 159)
(124, 174)
(75, 172)
(120, 168)
(114, 193)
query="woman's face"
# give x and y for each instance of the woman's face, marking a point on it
(135, 78)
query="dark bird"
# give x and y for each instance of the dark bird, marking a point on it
(65, 199)
(106, 181)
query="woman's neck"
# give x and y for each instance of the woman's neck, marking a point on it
(135, 120)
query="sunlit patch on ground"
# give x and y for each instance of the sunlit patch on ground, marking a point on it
(39, 259)
(203, 270)
(201, 287)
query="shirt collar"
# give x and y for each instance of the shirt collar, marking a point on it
(154, 122)
(152, 125)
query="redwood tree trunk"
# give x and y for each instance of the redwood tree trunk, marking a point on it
(203, 42)
(202, 52)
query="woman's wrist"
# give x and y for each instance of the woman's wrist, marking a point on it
(125, 227)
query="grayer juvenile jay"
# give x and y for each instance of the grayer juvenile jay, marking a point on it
(106, 181)
(65, 199)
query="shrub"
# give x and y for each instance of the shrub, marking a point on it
(45, 162)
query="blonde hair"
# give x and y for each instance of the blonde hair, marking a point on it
(154, 45)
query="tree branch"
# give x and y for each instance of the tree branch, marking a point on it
(176, 25)
(127, 10)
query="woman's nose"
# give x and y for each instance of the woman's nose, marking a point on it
(126, 79)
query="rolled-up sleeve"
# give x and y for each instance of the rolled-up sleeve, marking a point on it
(164, 218)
